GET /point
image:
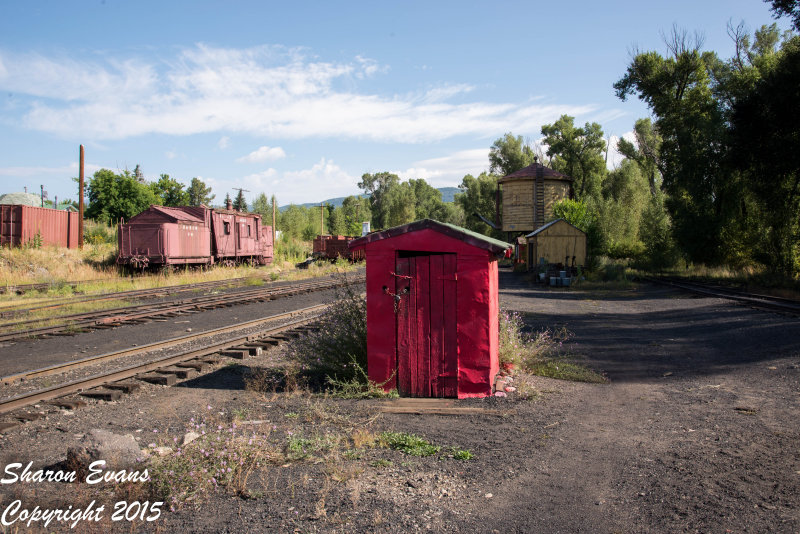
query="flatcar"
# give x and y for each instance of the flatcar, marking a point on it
(193, 235)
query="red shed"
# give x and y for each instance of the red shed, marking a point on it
(432, 309)
(21, 224)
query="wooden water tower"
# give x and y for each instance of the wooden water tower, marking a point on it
(529, 195)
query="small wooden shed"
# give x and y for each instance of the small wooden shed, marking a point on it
(432, 309)
(557, 242)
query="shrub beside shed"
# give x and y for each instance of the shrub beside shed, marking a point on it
(432, 309)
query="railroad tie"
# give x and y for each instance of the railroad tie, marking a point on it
(255, 349)
(180, 372)
(199, 366)
(27, 416)
(124, 386)
(235, 353)
(103, 394)
(68, 404)
(8, 425)
(161, 380)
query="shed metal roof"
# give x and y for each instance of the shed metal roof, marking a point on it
(534, 171)
(475, 239)
(23, 199)
(551, 223)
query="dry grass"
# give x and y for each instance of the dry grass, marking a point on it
(96, 274)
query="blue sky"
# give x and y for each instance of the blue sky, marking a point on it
(298, 99)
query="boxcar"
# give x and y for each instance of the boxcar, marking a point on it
(189, 235)
(335, 246)
(20, 224)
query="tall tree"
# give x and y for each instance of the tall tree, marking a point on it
(399, 205)
(678, 90)
(239, 203)
(693, 95)
(478, 198)
(199, 193)
(766, 148)
(354, 211)
(114, 196)
(170, 191)
(509, 154)
(376, 186)
(787, 8)
(578, 153)
(646, 151)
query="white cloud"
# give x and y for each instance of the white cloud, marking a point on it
(266, 91)
(67, 171)
(264, 153)
(323, 180)
(614, 157)
(224, 142)
(447, 171)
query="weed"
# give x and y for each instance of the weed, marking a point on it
(223, 456)
(543, 353)
(364, 438)
(565, 370)
(291, 415)
(339, 346)
(239, 414)
(462, 454)
(381, 463)
(254, 281)
(410, 444)
(359, 386)
(351, 454)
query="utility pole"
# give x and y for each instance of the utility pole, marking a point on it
(273, 219)
(80, 201)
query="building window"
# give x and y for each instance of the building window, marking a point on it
(227, 228)
(248, 230)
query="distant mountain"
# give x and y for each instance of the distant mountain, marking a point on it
(448, 195)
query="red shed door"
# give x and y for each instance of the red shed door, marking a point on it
(427, 351)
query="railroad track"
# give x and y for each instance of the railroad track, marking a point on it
(155, 292)
(765, 302)
(137, 314)
(165, 370)
(44, 286)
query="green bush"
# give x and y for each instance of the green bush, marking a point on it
(626, 250)
(410, 444)
(95, 233)
(338, 348)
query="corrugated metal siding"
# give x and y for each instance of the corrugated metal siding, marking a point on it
(21, 224)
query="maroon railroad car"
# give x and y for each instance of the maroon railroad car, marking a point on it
(335, 246)
(188, 235)
(20, 224)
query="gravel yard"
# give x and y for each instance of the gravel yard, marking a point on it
(696, 431)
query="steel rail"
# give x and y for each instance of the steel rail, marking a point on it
(76, 386)
(151, 292)
(759, 301)
(91, 360)
(117, 316)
